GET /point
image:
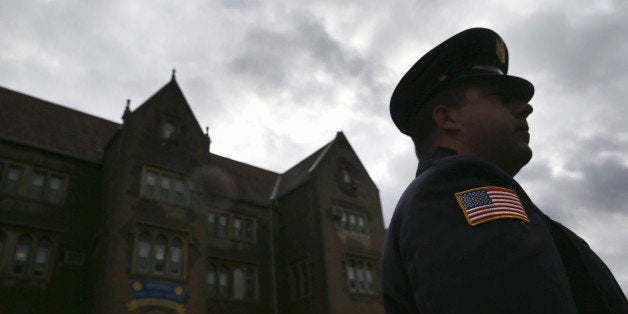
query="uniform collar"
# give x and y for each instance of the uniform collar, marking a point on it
(430, 159)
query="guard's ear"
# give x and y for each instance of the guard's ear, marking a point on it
(445, 118)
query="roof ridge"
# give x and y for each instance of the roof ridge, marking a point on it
(47, 102)
(243, 163)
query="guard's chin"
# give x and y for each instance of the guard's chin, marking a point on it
(519, 163)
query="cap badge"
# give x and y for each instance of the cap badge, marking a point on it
(500, 50)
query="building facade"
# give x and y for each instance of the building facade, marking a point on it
(141, 217)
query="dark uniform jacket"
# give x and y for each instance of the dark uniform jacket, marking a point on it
(441, 255)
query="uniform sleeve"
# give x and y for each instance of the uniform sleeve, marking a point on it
(499, 266)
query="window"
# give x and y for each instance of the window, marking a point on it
(351, 221)
(223, 282)
(42, 257)
(242, 228)
(12, 179)
(369, 280)
(31, 255)
(36, 184)
(351, 276)
(360, 277)
(150, 181)
(176, 252)
(236, 282)
(164, 190)
(237, 228)
(223, 230)
(21, 255)
(167, 130)
(143, 252)
(179, 191)
(361, 226)
(250, 284)
(300, 280)
(163, 186)
(160, 253)
(36, 188)
(211, 281)
(55, 189)
(249, 233)
(211, 223)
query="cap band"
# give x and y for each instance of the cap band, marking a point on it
(488, 68)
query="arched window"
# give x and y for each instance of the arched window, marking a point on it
(21, 255)
(42, 257)
(211, 281)
(176, 256)
(238, 284)
(143, 252)
(223, 282)
(159, 256)
(250, 284)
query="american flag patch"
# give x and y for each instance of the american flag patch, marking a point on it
(488, 203)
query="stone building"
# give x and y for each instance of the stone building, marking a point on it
(141, 217)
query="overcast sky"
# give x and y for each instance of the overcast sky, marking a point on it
(275, 80)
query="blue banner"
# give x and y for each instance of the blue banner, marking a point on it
(154, 289)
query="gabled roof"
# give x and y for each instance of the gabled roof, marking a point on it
(298, 174)
(35, 122)
(169, 96)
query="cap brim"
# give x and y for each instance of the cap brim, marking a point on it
(516, 86)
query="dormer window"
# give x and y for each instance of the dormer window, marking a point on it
(167, 130)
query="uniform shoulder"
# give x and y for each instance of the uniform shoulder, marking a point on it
(453, 174)
(462, 166)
